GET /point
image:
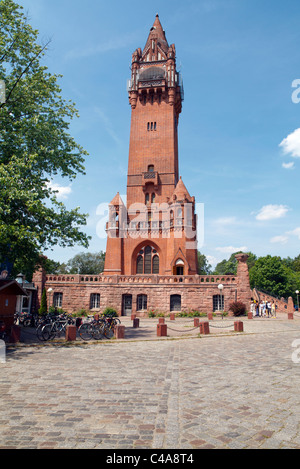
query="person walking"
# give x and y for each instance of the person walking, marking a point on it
(269, 309)
(273, 309)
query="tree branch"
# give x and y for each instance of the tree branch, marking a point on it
(23, 73)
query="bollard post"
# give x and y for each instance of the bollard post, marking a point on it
(162, 330)
(290, 316)
(210, 316)
(238, 326)
(15, 334)
(204, 327)
(71, 333)
(120, 331)
(250, 315)
(172, 316)
(161, 320)
(133, 316)
(136, 323)
(196, 322)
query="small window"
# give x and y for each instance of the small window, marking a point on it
(95, 301)
(153, 198)
(151, 126)
(147, 198)
(218, 303)
(141, 302)
(57, 300)
(151, 168)
(175, 303)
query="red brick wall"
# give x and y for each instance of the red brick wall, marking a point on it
(196, 291)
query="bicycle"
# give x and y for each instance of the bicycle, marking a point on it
(41, 322)
(109, 326)
(54, 327)
(92, 330)
(98, 328)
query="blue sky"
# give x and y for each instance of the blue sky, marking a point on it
(239, 144)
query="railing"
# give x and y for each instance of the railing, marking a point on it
(143, 279)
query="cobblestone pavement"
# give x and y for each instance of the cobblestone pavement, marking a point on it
(219, 391)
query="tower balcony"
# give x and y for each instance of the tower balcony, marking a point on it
(150, 177)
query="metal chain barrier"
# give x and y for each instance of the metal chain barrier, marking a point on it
(181, 330)
(220, 327)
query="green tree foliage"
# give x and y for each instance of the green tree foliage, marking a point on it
(87, 263)
(270, 274)
(204, 268)
(44, 306)
(35, 146)
(229, 266)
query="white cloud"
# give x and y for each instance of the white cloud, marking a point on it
(62, 191)
(92, 49)
(295, 232)
(271, 212)
(288, 165)
(226, 221)
(279, 239)
(213, 261)
(291, 144)
(231, 249)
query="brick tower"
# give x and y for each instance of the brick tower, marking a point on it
(155, 233)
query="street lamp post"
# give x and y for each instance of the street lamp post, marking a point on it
(297, 293)
(221, 287)
(50, 290)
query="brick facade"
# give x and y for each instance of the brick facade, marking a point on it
(159, 213)
(151, 254)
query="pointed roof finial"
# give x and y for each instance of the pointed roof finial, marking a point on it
(158, 32)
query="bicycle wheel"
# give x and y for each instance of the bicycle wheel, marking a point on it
(39, 331)
(60, 329)
(48, 332)
(86, 331)
(109, 330)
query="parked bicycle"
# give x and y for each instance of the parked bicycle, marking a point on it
(53, 326)
(98, 329)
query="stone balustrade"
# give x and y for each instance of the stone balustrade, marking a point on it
(142, 279)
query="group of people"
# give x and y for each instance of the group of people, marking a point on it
(263, 309)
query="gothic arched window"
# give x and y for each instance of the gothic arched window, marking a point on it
(147, 261)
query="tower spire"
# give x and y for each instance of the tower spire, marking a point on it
(158, 35)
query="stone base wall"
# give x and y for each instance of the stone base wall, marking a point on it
(196, 292)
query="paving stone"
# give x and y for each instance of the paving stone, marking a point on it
(222, 391)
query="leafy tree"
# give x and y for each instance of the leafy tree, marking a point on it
(35, 146)
(87, 263)
(44, 307)
(296, 264)
(229, 266)
(204, 268)
(271, 275)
